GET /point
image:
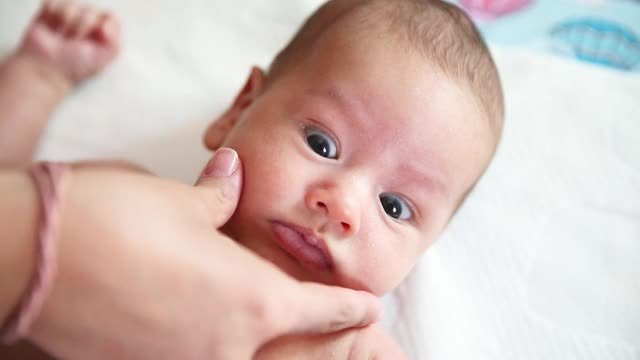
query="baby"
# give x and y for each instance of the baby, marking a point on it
(358, 144)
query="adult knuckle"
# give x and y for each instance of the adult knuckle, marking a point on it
(215, 201)
(343, 316)
(265, 315)
(222, 194)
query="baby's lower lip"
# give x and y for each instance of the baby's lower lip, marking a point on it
(294, 244)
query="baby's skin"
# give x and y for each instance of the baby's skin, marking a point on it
(73, 39)
(66, 43)
(69, 42)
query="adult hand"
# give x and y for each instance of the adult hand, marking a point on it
(143, 273)
(370, 342)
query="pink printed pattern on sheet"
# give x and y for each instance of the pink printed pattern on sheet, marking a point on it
(491, 9)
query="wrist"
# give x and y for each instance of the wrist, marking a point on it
(47, 80)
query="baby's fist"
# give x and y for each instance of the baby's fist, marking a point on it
(77, 40)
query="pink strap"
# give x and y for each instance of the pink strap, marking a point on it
(50, 179)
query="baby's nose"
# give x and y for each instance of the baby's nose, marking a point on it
(340, 209)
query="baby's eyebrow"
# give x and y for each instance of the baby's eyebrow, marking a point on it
(351, 107)
(431, 180)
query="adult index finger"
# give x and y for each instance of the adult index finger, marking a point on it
(320, 309)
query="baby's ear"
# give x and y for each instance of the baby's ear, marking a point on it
(218, 130)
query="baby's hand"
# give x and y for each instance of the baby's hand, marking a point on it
(75, 39)
(367, 343)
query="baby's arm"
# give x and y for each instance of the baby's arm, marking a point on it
(29, 92)
(66, 43)
(368, 343)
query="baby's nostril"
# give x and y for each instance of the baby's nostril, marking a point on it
(345, 226)
(322, 205)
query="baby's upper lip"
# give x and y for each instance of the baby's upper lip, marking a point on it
(312, 239)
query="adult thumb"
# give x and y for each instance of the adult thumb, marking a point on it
(220, 185)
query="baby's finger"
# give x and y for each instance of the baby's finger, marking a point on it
(43, 11)
(51, 13)
(51, 6)
(320, 309)
(68, 13)
(106, 30)
(84, 20)
(220, 185)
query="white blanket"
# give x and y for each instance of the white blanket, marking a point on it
(543, 261)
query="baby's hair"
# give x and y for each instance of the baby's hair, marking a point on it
(440, 31)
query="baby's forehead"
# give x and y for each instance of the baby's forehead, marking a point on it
(439, 31)
(388, 95)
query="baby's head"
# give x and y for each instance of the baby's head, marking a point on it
(362, 140)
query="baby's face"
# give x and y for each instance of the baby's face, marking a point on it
(353, 162)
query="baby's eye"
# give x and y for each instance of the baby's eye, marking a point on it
(321, 143)
(395, 207)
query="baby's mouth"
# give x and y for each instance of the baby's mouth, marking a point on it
(303, 245)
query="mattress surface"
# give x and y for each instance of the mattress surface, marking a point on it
(542, 262)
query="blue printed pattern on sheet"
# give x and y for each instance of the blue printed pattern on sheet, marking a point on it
(601, 32)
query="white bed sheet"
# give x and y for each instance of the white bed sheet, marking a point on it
(543, 261)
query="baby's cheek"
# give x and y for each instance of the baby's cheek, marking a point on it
(369, 270)
(385, 266)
